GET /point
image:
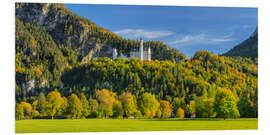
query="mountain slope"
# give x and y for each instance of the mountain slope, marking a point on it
(248, 48)
(84, 36)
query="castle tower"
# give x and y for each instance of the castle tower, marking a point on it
(114, 53)
(141, 50)
(149, 53)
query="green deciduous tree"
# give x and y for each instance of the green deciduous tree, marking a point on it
(93, 107)
(74, 106)
(41, 106)
(149, 105)
(226, 104)
(19, 113)
(118, 109)
(85, 106)
(204, 107)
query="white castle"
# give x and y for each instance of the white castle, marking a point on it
(141, 53)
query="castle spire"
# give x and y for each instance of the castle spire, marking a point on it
(141, 49)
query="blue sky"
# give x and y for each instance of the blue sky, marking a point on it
(189, 29)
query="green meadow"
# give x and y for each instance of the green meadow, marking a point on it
(124, 125)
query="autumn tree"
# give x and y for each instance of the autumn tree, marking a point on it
(226, 104)
(63, 110)
(27, 110)
(129, 103)
(179, 103)
(180, 113)
(106, 99)
(54, 102)
(165, 108)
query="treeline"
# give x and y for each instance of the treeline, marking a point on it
(194, 82)
(107, 104)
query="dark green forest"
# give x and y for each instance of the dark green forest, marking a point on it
(53, 81)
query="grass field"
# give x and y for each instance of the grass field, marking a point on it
(118, 125)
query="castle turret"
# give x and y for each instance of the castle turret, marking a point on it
(149, 53)
(141, 50)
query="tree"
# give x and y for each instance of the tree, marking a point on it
(179, 103)
(106, 99)
(180, 113)
(34, 105)
(93, 107)
(118, 109)
(54, 102)
(191, 108)
(35, 113)
(27, 110)
(246, 107)
(74, 106)
(129, 104)
(41, 106)
(165, 108)
(85, 106)
(19, 111)
(204, 107)
(226, 104)
(138, 114)
(63, 110)
(158, 113)
(149, 105)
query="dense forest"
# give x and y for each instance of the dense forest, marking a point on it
(54, 81)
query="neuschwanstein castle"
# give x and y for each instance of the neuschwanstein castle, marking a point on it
(141, 53)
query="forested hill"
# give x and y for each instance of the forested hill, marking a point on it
(248, 48)
(84, 36)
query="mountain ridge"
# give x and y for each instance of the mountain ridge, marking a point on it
(247, 48)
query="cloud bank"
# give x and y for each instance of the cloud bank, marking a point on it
(149, 34)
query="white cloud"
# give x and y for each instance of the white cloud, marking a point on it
(137, 33)
(200, 38)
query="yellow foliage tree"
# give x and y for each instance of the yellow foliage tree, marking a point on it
(180, 113)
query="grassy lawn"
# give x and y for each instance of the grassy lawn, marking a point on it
(119, 125)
